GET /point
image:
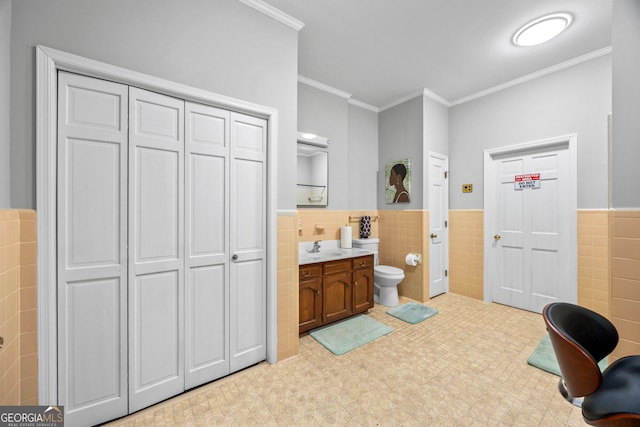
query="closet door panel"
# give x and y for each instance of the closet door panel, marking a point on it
(157, 353)
(207, 208)
(92, 196)
(207, 333)
(207, 243)
(248, 241)
(92, 255)
(156, 276)
(157, 205)
(250, 314)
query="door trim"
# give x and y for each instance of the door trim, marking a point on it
(48, 62)
(571, 142)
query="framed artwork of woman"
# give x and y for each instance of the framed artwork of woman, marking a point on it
(398, 183)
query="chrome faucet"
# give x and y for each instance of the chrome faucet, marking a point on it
(316, 247)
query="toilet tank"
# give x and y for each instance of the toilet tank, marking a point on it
(370, 244)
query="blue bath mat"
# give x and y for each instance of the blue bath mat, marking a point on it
(346, 335)
(543, 357)
(412, 312)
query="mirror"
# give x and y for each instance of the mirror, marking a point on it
(313, 170)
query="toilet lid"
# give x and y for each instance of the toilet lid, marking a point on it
(387, 269)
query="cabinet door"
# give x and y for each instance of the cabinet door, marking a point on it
(310, 304)
(336, 296)
(362, 290)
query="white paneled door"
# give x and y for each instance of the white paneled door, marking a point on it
(438, 224)
(92, 249)
(530, 257)
(161, 246)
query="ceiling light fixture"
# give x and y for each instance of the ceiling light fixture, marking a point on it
(542, 29)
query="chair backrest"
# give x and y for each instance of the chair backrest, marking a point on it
(580, 338)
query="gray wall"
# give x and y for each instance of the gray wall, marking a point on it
(326, 114)
(574, 100)
(626, 103)
(5, 80)
(221, 46)
(363, 159)
(400, 133)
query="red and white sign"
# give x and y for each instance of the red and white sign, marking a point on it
(531, 180)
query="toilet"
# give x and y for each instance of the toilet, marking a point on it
(385, 277)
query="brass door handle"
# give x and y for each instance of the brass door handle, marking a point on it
(433, 236)
(497, 237)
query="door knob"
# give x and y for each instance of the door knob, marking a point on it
(234, 257)
(433, 236)
(497, 237)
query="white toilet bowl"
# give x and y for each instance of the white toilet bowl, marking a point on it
(385, 281)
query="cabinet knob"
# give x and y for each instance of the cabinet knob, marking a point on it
(355, 283)
(306, 273)
(318, 291)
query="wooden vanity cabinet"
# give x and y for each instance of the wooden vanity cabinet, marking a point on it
(310, 278)
(362, 277)
(334, 290)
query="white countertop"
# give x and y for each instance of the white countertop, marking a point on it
(328, 252)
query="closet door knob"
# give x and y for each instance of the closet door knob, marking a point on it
(234, 257)
(433, 236)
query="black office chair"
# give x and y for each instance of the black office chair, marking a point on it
(580, 338)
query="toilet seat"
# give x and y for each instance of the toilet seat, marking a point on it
(388, 271)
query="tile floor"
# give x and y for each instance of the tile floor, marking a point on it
(466, 366)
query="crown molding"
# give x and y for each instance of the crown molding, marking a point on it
(401, 100)
(326, 88)
(426, 92)
(274, 13)
(342, 94)
(364, 105)
(545, 71)
(432, 95)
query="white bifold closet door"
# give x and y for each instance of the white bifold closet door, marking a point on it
(156, 248)
(161, 246)
(92, 249)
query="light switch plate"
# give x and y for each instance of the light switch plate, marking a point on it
(467, 188)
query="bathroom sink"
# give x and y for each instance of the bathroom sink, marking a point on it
(330, 254)
(321, 256)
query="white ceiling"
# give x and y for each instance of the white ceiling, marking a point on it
(383, 51)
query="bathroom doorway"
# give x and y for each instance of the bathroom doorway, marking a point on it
(438, 224)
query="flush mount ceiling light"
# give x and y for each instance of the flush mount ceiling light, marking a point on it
(542, 29)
